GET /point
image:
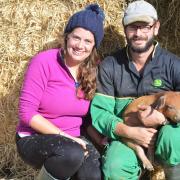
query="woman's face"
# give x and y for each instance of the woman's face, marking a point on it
(80, 43)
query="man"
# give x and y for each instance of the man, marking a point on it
(140, 68)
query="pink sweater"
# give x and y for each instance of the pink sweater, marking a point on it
(49, 90)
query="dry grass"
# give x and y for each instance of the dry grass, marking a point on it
(169, 14)
(29, 26)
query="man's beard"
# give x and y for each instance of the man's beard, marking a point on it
(135, 49)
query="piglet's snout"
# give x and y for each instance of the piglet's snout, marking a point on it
(176, 116)
(172, 113)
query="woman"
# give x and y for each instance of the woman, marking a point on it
(55, 97)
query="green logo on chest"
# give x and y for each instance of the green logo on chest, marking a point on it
(157, 83)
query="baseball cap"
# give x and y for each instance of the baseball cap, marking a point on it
(139, 11)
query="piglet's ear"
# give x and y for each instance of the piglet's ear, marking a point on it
(160, 103)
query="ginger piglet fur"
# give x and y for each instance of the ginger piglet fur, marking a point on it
(168, 103)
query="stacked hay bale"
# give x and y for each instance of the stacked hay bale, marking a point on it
(29, 26)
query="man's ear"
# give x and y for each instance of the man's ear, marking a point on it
(156, 28)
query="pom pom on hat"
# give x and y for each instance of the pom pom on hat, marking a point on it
(97, 9)
(91, 18)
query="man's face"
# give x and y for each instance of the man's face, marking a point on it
(140, 35)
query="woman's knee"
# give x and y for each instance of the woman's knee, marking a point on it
(71, 152)
(63, 165)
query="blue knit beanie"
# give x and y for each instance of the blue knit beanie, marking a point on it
(91, 18)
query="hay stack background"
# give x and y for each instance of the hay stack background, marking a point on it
(29, 26)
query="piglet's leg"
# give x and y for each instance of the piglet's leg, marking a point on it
(145, 161)
(140, 153)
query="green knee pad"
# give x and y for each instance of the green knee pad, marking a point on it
(120, 162)
(168, 146)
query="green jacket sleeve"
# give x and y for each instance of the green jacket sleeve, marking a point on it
(103, 117)
(106, 108)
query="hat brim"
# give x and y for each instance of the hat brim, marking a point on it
(139, 18)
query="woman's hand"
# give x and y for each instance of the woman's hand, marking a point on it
(76, 139)
(82, 143)
(150, 117)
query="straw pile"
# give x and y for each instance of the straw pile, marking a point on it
(29, 26)
(169, 15)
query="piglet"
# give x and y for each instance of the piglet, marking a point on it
(168, 103)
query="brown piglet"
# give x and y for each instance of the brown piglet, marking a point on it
(168, 103)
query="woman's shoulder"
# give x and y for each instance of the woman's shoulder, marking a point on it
(50, 53)
(45, 59)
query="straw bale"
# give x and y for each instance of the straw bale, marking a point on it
(27, 27)
(169, 15)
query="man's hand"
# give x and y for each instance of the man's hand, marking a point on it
(143, 136)
(150, 117)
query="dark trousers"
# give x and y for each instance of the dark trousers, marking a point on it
(61, 156)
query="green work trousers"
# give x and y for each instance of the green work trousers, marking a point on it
(121, 163)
